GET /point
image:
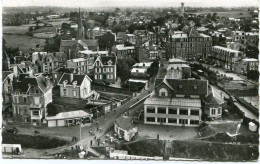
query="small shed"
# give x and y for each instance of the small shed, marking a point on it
(69, 118)
(11, 148)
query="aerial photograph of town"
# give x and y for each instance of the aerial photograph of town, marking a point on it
(138, 80)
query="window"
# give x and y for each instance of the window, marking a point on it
(172, 111)
(104, 70)
(195, 87)
(161, 120)
(195, 112)
(213, 111)
(36, 91)
(183, 121)
(150, 119)
(65, 92)
(172, 120)
(25, 99)
(180, 86)
(74, 93)
(162, 110)
(8, 81)
(194, 122)
(35, 113)
(150, 109)
(17, 99)
(55, 75)
(163, 92)
(183, 112)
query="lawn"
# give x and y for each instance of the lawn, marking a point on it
(23, 42)
(194, 150)
(15, 29)
(31, 141)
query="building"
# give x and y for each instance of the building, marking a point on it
(244, 65)
(75, 86)
(214, 105)
(72, 47)
(176, 102)
(188, 46)
(30, 97)
(125, 51)
(124, 127)
(69, 118)
(46, 63)
(7, 88)
(80, 64)
(225, 57)
(56, 74)
(105, 69)
(178, 71)
(131, 38)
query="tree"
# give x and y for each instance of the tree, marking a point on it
(253, 74)
(153, 69)
(118, 28)
(214, 17)
(65, 27)
(208, 16)
(123, 70)
(106, 41)
(52, 109)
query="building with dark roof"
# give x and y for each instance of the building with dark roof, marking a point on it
(104, 68)
(56, 74)
(176, 102)
(214, 105)
(75, 86)
(189, 45)
(30, 97)
(125, 128)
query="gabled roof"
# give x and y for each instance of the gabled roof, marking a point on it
(65, 70)
(125, 122)
(36, 81)
(214, 99)
(187, 86)
(91, 43)
(6, 74)
(106, 59)
(193, 33)
(76, 78)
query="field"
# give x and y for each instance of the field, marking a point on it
(23, 42)
(15, 29)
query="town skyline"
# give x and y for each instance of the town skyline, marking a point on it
(130, 3)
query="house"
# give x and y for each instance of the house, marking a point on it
(178, 71)
(56, 74)
(47, 63)
(124, 51)
(226, 57)
(7, 88)
(72, 47)
(121, 37)
(105, 68)
(69, 118)
(176, 102)
(189, 45)
(61, 57)
(214, 105)
(125, 128)
(30, 97)
(80, 64)
(92, 44)
(131, 38)
(75, 86)
(244, 65)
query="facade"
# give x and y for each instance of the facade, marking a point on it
(244, 65)
(214, 105)
(7, 88)
(74, 86)
(57, 74)
(105, 68)
(69, 118)
(188, 46)
(226, 57)
(125, 51)
(176, 102)
(29, 100)
(124, 127)
(80, 64)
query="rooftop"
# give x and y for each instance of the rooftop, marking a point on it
(70, 115)
(184, 102)
(125, 122)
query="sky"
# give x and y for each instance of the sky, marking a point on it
(125, 3)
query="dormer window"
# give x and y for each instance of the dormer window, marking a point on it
(65, 83)
(163, 92)
(74, 84)
(195, 87)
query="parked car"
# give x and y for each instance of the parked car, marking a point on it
(11, 130)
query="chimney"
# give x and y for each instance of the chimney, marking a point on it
(71, 77)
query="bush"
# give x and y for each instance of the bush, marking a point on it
(52, 109)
